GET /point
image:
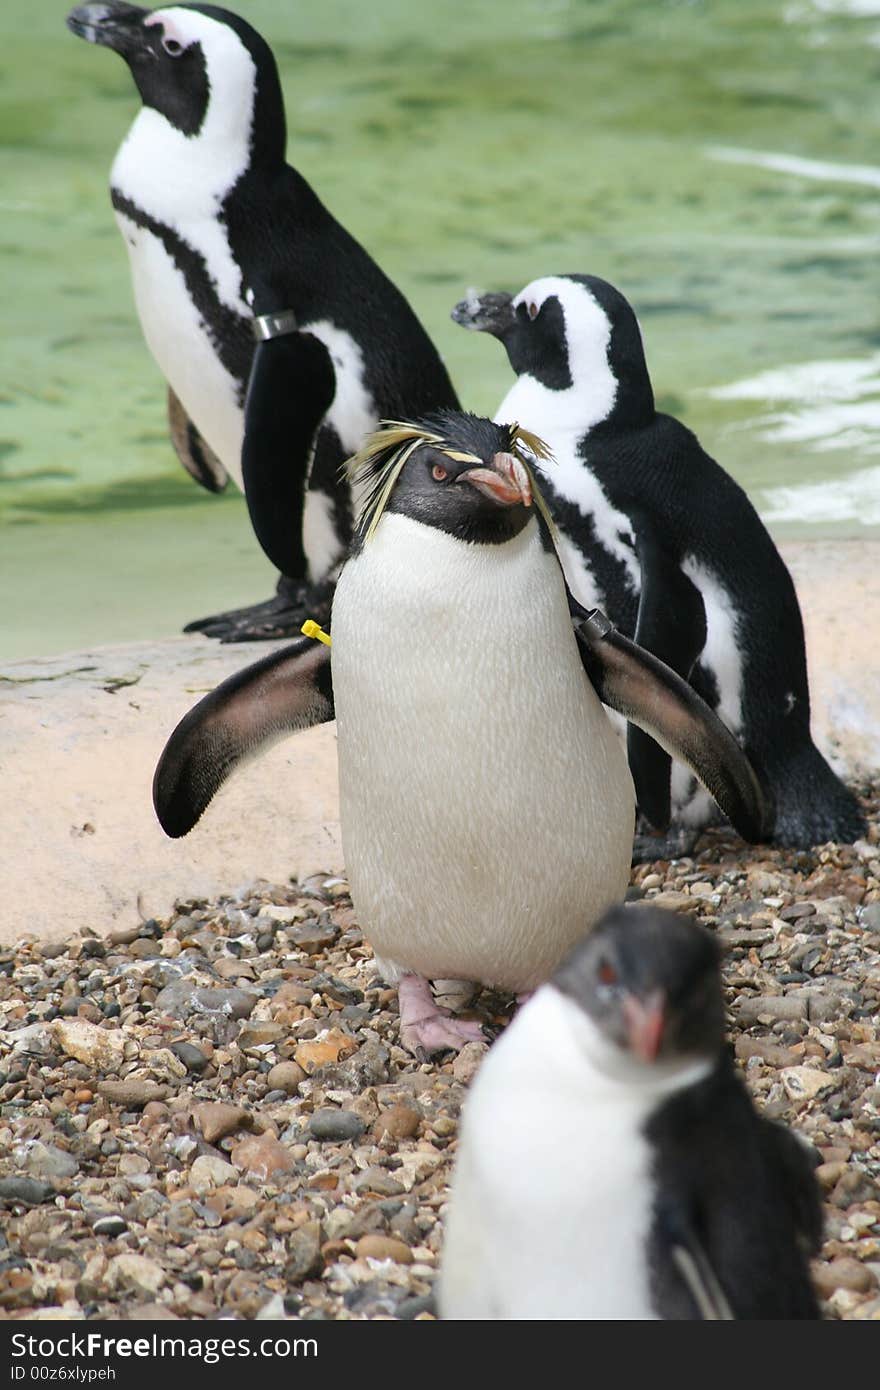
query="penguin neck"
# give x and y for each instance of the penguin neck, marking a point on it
(587, 1064)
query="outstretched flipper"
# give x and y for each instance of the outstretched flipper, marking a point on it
(291, 387)
(280, 695)
(648, 693)
(196, 455)
(671, 625)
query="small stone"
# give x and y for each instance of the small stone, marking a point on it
(829, 1174)
(324, 1051)
(803, 1083)
(772, 1007)
(101, 1049)
(182, 998)
(193, 1058)
(378, 1247)
(216, 1119)
(133, 1092)
(45, 1161)
(466, 1065)
(304, 1256)
(263, 1156)
(109, 1226)
(378, 1182)
(844, 1273)
(398, 1122)
(208, 1172)
(260, 1034)
(135, 1273)
(313, 937)
(25, 1190)
(286, 1076)
(336, 1126)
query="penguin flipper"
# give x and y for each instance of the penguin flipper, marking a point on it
(648, 693)
(691, 1269)
(672, 625)
(291, 387)
(196, 455)
(287, 691)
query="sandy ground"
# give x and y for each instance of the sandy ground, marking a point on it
(80, 735)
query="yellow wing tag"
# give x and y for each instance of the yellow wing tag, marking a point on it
(311, 629)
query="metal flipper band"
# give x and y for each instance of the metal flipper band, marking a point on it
(597, 624)
(274, 325)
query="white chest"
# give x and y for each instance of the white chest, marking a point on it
(552, 1199)
(487, 808)
(182, 347)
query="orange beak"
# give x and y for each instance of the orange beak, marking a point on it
(506, 482)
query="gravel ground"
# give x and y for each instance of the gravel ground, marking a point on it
(211, 1115)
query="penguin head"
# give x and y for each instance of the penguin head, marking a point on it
(187, 60)
(649, 983)
(457, 472)
(571, 331)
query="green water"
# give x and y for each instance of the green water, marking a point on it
(466, 145)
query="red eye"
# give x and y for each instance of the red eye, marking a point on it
(532, 309)
(439, 473)
(607, 975)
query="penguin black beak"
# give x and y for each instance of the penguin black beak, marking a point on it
(112, 24)
(486, 313)
(645, 1021)
(507, 482)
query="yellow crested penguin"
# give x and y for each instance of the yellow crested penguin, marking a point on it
(486, 804)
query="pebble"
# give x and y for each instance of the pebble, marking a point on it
(336, 1126)
(193, 1058)
(208, 1172)
(182, 998)
(134, 1092)
(376, 1247)
(135, 1272)
(803, 1083)
(286, 1076)
(466, 1065)
(41, 1160)
(399, 1122)
(263, 1156)
(25, 1190)
(216, 1120)
(101, 1049)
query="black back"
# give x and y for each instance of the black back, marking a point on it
(744, 1190)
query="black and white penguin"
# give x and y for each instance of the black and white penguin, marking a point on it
(657, 533)
(486, 806)
(610, 1162)
(281, 340)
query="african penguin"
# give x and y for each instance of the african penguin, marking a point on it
(486, 805)
(610, 1162)
(654, 530)
(281, 340)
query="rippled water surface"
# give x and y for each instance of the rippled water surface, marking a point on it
(714, 159)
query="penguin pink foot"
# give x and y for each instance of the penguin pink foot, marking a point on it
(424, 1026)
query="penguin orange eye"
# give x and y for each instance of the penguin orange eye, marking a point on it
(532, 309)
(606, 974)
(172, 47)
(439, 473)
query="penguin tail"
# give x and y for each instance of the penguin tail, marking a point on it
(813, 806)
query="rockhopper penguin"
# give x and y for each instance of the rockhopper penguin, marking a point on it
(610, 1161)
(653, 530)
(280, 339)
(486, 805)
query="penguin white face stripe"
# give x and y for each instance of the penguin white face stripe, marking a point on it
(181, 180)
(591, 397)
